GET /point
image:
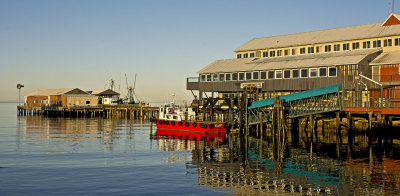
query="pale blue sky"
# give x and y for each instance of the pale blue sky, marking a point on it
(65, 44)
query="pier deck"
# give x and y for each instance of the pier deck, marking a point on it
(128, 111)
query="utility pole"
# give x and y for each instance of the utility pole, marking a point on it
(19, 86)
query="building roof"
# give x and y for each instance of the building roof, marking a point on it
(229, 65)
(287, 62)
(102, 92)
(323, 36)
(61, 91)
(386, 58)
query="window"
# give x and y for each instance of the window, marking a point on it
(271, 75)
(271, 53)
(215, 77)
(235, 76)
(367, 44)
(336, 47)
(263, 75)
(227, 77)
(265, 54)
(241, 76)
(221, 77)
(346, 46)
(318, 49)
(255, 75)
(287, 51)
(304, 73)
(310, 50)
(246, 55)
(208, 78)
(387, 42)
(332, 71)
(313, 72)
(286, 74)
(397, 41)
(328, 48)
(294, 51)
(203, 78)
(252, 55)
(356, 45)
(279, 53)
(239, 56)
(278, 74)
(322, 72)
(87, 102)
(248, 75)
(376, 44)
(302, 50)
(295, 73)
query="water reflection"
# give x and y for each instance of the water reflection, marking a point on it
(352, 162)
(63, 135)
(327, 163)
(181, 141)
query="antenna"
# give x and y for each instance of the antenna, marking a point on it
(105, 82)
(119, 84)
(173, 98)
(392, 6)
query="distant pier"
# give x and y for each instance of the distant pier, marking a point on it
(121, 111)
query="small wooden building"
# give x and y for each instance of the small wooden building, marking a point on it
(105, 96)
(67, 97)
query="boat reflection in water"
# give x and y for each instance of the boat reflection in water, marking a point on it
(182, 141)
(336, 164)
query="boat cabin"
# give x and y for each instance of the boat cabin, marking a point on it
(176, 113)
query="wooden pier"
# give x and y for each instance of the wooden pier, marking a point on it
(121, 111)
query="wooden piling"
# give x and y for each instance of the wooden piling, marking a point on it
(261, 126)
(370, 121)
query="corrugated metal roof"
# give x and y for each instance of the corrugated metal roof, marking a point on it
(228, 65)
(387, 58)
(297, 96)
(309, 60)
(49, 92)
(322, 36)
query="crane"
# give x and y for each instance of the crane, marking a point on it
(130, 91)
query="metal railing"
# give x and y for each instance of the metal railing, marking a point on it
(388, 98)
(385, 77)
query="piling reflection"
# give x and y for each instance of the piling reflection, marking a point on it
(323, 162)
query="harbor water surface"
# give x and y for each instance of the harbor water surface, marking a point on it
(95, 156)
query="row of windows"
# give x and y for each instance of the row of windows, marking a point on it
(327, 48)
(271, 74)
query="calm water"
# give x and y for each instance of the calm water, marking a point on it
(92, 156)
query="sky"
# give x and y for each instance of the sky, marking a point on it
(47, 44)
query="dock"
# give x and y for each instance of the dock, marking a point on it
(120, 111)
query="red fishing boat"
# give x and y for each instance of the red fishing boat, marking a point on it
(185, 119)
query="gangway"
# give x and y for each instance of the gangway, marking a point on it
(315, 101)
